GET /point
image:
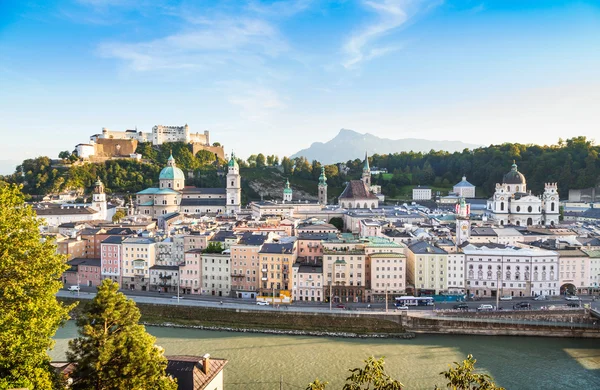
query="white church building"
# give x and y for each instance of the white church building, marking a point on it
(512, 204)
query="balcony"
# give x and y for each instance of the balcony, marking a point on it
(237, 275)
(265, 270)
(264, 279)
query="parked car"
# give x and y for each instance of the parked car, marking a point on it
(572, 298)
(74, 288)
(522, 306)
(401, 307)
(540, 298)
(177, 297)
(485, 308)
(461, 306)
(506, 298)
(573, 304)
(262, 303)
(340, 306)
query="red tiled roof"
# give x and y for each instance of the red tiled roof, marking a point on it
(189, 371)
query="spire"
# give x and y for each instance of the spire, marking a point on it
(232, 161)
(323, 178)
(366, 167)
(514, 166)
(171, 159)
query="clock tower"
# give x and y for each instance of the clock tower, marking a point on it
(463, 222)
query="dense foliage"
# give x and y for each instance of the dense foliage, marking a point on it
(30, 271)
(113, 351)
(573, 163)
(373, 376)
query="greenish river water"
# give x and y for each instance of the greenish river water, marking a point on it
(256, 361)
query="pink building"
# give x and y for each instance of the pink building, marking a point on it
(83, 272)
(310, 247)
(245, 263)
(190, 272)
(110, 258)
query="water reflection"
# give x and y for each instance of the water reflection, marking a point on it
(516, 363)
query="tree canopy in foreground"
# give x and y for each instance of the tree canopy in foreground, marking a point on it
(30, 271)
(113, 351)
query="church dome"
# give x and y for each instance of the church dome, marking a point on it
(514, 176)
(170, 173)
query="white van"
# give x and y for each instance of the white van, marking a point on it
(485, 308)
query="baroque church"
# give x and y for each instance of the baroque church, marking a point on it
(173, 196)
(512, 204)
(358, 193)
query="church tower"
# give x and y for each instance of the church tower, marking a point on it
(366, 174)
(463, 222)
(550, 204)
(99, 199)
(323, 187)
(287, 192)
(234, 189)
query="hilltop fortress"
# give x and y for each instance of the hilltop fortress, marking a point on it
(123, 144)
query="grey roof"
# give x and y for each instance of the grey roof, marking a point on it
(357, 189)
(165, 267)
(119, 231)
(204, 202)
(464, 183)
(74, 263)
(222, 235)
(64, 211)
(284, 249)
(307, 268)
(316, 236)
(113, 240)
(483, 231)
(423, 247)
(253, 239)
(208, 191)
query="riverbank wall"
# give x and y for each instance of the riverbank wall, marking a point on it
(489, 327)
(344, 324)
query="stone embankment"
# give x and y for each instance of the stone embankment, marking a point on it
(406, 335)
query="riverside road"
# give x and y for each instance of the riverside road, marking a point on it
(309, 307)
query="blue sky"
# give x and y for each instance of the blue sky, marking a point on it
(275, 76)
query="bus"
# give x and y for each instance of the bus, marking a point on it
(414, 301)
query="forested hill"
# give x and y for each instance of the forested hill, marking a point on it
(573, 163)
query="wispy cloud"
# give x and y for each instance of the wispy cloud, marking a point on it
(392, 14)
(207, 43)
(257, 103)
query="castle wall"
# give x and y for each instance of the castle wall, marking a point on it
(218, 150)
(106, 147)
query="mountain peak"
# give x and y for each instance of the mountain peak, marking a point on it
(349, 144)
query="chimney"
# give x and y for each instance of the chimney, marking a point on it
(205, 363)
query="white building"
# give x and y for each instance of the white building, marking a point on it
(421, 193)
(388, 275)
(510, 271)
(307, 282)
(85, 150)
(464, 189)
(234, 189)
(512, 204)
(216, 273)
(138, 255)
(162, 134)
(456, 273)
(427, 267)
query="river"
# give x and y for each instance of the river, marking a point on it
(257, 361)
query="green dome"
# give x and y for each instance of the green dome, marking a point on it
(170, 173)
(232, 161)
(287, 189)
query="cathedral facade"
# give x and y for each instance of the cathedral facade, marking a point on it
(512, 204)
(173, 196)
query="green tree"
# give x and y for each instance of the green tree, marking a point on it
(373, 377)
(216, 144)
(213, 247)
(462, 377)
(30, 270)
(287, 165)
(65, 154)
(113, 351)
(260, 161)
(119, 215)
(337, 222)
